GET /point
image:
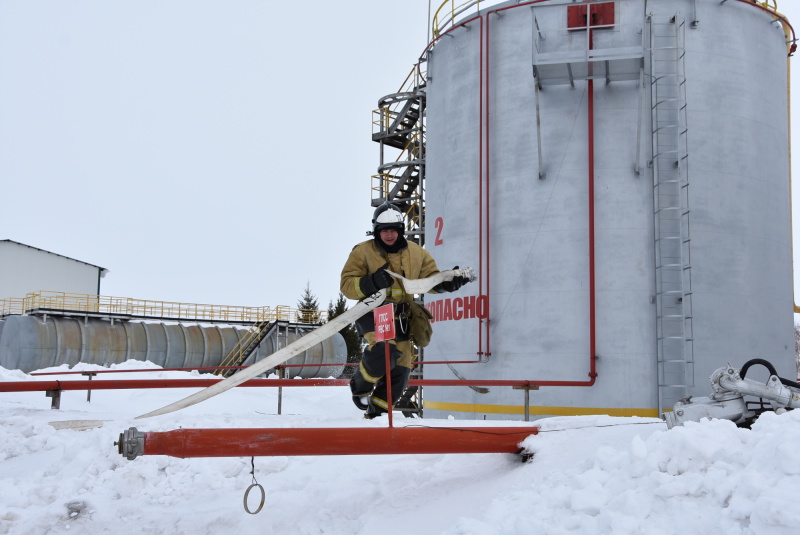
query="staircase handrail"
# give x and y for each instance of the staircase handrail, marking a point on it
(244, 347)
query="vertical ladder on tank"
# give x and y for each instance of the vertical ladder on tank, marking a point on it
(671, 211)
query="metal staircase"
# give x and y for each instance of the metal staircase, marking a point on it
(399, 123)
(673, 266)
(249, 343)
(400, 115)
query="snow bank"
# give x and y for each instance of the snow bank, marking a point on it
(593, 474)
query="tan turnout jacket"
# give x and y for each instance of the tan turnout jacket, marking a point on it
(412, 262)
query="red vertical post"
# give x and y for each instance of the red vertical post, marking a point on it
(389, 403)
(384, 331)
(590, 103)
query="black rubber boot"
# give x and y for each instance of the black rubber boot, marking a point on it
(400, 376)
(361, 391)
(399, 380)
(371, 371)
(373, 411)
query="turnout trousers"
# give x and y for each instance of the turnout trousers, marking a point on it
(370, 378)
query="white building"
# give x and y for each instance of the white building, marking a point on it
(26, 269)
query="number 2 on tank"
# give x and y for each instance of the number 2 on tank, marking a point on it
(439, 223)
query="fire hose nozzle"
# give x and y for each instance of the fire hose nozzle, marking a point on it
(131, 443)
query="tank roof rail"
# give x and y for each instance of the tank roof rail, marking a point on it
(443, 18)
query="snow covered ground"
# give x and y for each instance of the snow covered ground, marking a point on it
(593, 474)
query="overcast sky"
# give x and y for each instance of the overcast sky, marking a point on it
(204, 150)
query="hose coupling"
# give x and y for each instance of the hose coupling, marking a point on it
(131, 443)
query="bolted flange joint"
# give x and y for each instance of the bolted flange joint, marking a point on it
(131, 443)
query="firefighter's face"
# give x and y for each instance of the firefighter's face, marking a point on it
(389, 236)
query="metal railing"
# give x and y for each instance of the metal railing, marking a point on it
(383, 117)
(445, 16)
(384, 183)
(145, 308)
(54, 388)
(12, 305)
(414, 79)
(246, 345)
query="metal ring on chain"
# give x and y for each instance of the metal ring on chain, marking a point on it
(247, 494)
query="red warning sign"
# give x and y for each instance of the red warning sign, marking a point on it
(384, 322)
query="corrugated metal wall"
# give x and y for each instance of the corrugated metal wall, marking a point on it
(25, 269)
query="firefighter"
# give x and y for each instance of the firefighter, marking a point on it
(365, 273)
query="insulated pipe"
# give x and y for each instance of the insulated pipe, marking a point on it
(29, 343)
(186, 443)
(122, 384)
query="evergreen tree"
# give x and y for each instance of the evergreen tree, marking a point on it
(351, 337)
(308, 307)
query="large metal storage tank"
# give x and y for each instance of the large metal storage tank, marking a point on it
(625, 199)
(30, 343)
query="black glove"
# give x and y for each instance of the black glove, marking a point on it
(381, 278)
(451, 285)
(375, 281)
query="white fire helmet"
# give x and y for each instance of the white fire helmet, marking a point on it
(387, 216)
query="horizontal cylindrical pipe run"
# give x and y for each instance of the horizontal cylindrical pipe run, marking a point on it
(186, 443)
(146, 370)
(30, 343)
(127, 384)
(122, 384)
